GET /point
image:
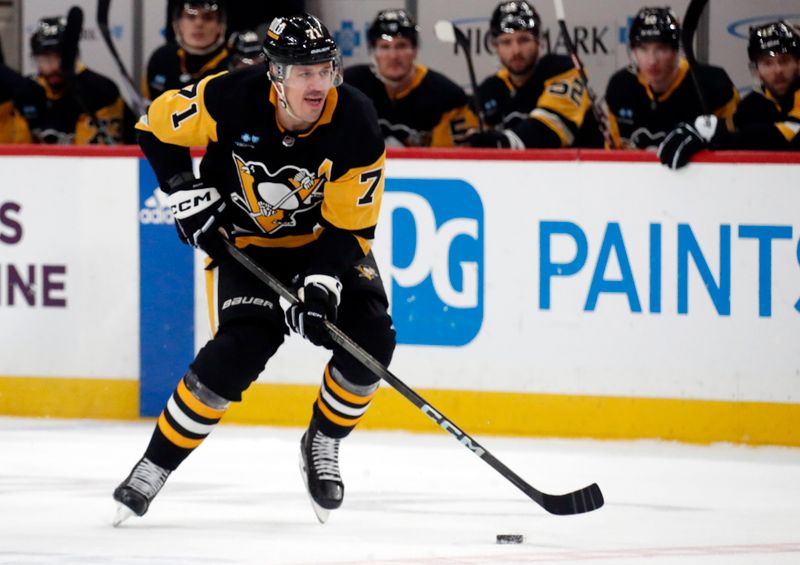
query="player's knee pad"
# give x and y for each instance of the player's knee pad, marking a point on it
(377, 337)
(236, 355)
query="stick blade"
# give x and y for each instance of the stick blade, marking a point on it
(578, 502)
(72, 37)
(445, 32)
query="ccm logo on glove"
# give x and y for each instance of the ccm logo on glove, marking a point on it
(185, 203)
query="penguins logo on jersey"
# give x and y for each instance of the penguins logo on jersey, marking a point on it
(273, 200)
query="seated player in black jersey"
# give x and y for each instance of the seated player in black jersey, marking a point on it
(12, 88)
(417, 106)
(535, 100)
(294, 173)
(65, 106)
(653, 96)
(199, 27)
(768, 118)
(245, 49)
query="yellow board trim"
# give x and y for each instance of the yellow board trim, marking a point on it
(102, 399)
(493, 413)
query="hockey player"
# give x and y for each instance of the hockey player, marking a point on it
(534, 100)
(80, 107)
(655, 94)
(245, 49)
(199, 27)
(417, 106)
(294, 173)
(767, 118)
(12, 85)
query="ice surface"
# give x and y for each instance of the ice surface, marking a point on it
(410, 498)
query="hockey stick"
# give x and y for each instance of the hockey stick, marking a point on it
(599, 115)
(690, 22)
(69, 55)
(447, 32)
(139, 102)
(584, 500)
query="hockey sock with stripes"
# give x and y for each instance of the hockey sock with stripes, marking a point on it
(341, 404)
(190, 415)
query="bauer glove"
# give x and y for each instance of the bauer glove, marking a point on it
(687, 139)
(199, 214)
(319, 299)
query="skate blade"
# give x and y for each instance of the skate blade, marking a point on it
(322, 513)
(123, 513)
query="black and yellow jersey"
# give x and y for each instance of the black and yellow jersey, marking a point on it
(281, 187)
(638, 117)
(550, 110)
(89, 111)
(171, 67)
(764, 121)
(432, 111)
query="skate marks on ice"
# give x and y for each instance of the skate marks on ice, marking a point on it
(411, 498)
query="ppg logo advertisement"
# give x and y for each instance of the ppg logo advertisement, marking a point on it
(434, 264)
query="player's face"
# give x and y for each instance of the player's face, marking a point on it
(198, 27)
(517, 51)
(306, 88)
(395, 58)
(657, 62)
(778, 72)
(48, 65)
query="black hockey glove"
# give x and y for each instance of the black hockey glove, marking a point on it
(687, 139)
(319, 299)
(488, 138)
(199, 213)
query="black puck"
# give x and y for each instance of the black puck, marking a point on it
(510, 538)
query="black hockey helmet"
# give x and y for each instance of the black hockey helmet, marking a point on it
(515, 15)
(393, 23)
(245, 48)
(772, 39)
(49, 35)
(659, 25)
(300, 40)
(215, 6)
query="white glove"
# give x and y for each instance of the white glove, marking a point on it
(706, 126)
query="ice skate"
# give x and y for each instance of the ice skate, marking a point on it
(319, 466)
(138, 490)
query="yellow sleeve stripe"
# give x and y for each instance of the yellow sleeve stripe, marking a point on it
(180, 116)
(558, 96)
(726, 111)
(353, 201)
(795, 111)
(453, 126)
(789, 130)
(613, 126)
